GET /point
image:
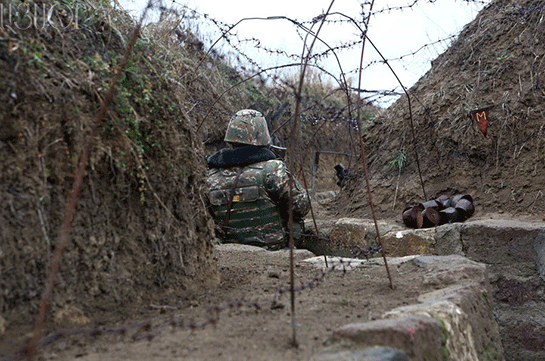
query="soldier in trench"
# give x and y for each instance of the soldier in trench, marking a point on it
(249, 188)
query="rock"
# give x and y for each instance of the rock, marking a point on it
(505, 245)
(377, 353)
(448, 239)
(239, 250)
(325, 196)
(472, 332)
(459, 342)
(350, 231)
(454, 269)
(70, 317)
(539, 248)
(463, 304)
(453, 322)
(344, 263)
(313, 243)
(383, 228)
(2, 326)
(524, 330)
(422, 338)
(409, 242)
(514, 254)
(361, 233)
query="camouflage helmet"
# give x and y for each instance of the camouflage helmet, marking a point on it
(248, 126)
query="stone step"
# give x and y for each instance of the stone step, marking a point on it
(454, 322)
(513, 251)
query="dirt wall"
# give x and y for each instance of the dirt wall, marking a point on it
(495, 64)
(140, 224)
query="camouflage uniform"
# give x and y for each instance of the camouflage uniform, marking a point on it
(260, 204)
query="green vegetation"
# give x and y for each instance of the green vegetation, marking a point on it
(399, 162)
(445, 351)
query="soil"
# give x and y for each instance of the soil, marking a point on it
(244, 332)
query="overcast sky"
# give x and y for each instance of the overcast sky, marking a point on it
(408, 33)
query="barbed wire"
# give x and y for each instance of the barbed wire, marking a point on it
(401, 57)
(238, 44)
(234, 41)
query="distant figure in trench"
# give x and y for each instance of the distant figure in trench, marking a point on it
(249, 189)
(341, 172)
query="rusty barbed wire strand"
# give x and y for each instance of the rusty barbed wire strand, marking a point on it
(342, 81)
(384, 93)
(295, 151)
(362, 148)
(225, 28)
(401, 57)
(364, 33)
(509, 10)
(220, 96)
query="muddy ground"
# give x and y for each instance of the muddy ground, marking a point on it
(246, 316)
(245, 332)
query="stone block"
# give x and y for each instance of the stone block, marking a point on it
(454, 269)
(502, 245)
(409, 242)
(448, 239)
(462, 303)
(539, 248)
(377, 353)
(459, 341)
(421, 338)
(350, 231)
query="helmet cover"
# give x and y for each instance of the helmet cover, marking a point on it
(248, 126)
